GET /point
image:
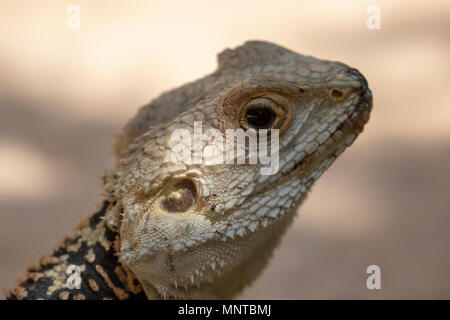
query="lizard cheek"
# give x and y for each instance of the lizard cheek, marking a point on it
(179, 196)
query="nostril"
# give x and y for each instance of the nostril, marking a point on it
(179, 196)
(336, 93)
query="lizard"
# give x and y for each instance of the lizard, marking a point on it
(176, 229)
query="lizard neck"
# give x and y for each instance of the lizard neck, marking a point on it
(84, 266)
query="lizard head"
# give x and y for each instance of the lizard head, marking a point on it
(208, 190)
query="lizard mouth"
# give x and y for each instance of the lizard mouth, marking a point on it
(349, 129)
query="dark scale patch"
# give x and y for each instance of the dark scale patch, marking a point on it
(34, 289)
(105, 258)
(170, 262)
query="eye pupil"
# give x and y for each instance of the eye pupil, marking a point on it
(260, 117)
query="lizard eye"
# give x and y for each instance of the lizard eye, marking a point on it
(260, 117)
(260, 113)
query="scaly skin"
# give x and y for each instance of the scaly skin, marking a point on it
(206, 230)
(93, 249)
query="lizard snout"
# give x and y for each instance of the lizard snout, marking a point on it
(366, 93)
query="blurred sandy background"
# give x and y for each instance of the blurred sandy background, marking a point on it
(386, 201)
